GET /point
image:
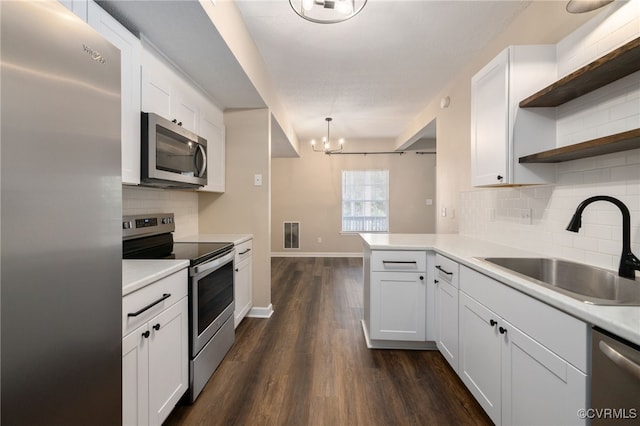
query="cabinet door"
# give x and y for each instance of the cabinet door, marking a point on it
(534, 377)
(168, 360)
(398, 304)
(135, 378)
(214, 135)
(480, 352)
(130, 51)
(156, 86)
(447, 322)
(78, 7)
(242, 289)
(490, 122)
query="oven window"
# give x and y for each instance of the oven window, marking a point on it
(215, 293)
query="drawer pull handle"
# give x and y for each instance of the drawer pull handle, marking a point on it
(442, 270)
(244, 252)
(149, 306)
(401, 261)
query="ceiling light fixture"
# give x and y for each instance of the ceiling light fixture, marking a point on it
(582, 6)
(326, 141)
(327, 11)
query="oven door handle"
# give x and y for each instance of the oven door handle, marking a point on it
(214, 264)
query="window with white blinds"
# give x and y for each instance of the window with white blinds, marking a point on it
(365, 200)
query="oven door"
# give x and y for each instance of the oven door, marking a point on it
(210, 299)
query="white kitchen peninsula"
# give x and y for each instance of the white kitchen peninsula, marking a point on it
(517, 346)
(623, 321)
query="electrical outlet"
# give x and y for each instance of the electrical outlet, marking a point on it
(444, 212)
(429, 202)
(257, 180)
(525, 216)
(319, 240)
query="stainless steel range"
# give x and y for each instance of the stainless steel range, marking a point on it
(211, 303)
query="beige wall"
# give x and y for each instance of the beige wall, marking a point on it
(244, 208)
(308, 190)
(543, 22)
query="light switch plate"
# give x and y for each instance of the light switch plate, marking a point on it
(257, 180)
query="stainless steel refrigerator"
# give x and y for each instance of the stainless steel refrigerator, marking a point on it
(60, 210)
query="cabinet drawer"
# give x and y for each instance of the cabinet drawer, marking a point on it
(399, 260)
(243, 251)
(174, 285)
(561, 333)
(447, 270)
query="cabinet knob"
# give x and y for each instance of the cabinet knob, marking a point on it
(436, 281)
(156, 327)
(502, 330)
(500, 177)
(179, 123)
(237, 269)
(146, 334)
(421, 278)
(174, 121)
(493, 323)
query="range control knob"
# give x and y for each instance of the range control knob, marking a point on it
(126, 225)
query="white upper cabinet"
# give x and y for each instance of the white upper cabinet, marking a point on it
(130, 51)
(168, 93)
(501, 132)
(215, 136)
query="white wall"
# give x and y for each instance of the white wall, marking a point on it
(141, 200)
(495, 214)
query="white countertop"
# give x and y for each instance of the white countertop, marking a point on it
(236, 239)
(140, 273)
(623, 321)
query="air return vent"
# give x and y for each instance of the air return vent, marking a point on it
(292, 235)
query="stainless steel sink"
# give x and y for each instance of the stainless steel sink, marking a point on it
(583, 282)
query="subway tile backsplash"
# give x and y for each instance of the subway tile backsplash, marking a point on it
(499, 214)
(184, 204)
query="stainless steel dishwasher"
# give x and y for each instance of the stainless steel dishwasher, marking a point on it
(615, 380)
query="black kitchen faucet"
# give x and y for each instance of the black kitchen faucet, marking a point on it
(629, 263)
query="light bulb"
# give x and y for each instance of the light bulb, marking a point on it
(341, 141)
(345, 7)
(307, 5)
(313, 142)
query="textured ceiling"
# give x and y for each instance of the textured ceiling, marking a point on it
(374, 73)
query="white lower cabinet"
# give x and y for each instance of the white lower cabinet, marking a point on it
(243, 281)
(446, 306)
(398, 295)
(515, 377)
(155, 358)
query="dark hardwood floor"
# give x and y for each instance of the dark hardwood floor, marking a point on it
(309, 364)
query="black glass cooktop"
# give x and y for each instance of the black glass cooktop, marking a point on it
(163, 247)
(199, 252)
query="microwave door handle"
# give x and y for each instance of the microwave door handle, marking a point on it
(204, 161)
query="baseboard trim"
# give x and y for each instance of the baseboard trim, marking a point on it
(315, 254)
(259, 312)
(396, 344)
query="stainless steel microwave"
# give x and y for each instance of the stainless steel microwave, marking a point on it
(172, 156)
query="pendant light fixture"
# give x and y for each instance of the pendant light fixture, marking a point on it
(327, 11)
(582, 6)
(326, 141)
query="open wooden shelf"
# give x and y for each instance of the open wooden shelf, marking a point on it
(609, 144)
(619, 63)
